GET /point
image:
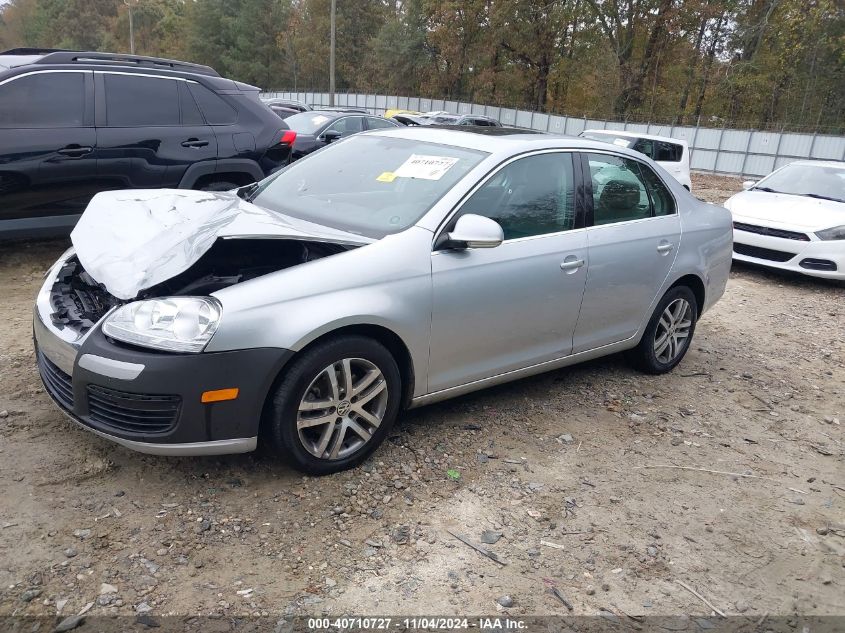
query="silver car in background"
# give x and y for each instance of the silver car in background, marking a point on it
(389, 270)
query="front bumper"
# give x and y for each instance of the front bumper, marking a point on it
(797, 256)
(151, 401)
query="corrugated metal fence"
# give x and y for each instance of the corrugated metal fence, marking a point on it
(725, 151)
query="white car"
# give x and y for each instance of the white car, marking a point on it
(793, 219)
(670, 153)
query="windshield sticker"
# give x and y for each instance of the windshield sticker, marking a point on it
(621, 142)
(387, 176)
(425, 167)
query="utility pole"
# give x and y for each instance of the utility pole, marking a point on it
(331, 53)
(128, 3)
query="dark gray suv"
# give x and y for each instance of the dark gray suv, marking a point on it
(75, 123)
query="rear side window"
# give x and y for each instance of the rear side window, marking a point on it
(190, 112)
(375, 123)
(135, 101)
(644, 146)
(668, 152)
(619, 191)
(661, 200)
(216, 111)
(43, 100)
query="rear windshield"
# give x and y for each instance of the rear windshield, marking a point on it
(662, 151)
(307, 122)
(367, 184)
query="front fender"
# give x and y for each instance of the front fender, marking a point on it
(387, 284)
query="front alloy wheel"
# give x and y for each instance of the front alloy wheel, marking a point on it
(342, 408)
(335, 404)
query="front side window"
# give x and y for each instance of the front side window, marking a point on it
(367, 184)
(136, 101)
(347, 125)
(530, 196)
(43, 100)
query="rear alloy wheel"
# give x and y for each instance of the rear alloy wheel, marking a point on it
(335, 405)
(669, 332)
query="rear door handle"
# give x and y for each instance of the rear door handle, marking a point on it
(571, 264)
(194, 142)
(75, 151)
(665, 248)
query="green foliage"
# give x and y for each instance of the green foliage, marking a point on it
(746, 63)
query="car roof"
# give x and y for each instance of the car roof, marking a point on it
(819, 163)
(626, 134)
(497, 140)
(18, 57)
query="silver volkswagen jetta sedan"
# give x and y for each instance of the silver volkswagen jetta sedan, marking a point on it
(389, 270)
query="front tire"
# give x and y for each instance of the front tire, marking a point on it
(669, 332)
(335, 405)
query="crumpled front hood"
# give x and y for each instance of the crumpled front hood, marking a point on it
(132, 240)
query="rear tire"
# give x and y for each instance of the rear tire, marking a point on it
(218, 185)
(669, 332)
(335, 405)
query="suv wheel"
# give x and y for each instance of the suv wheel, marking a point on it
(335, 405)
(219, 185)
(669, 332)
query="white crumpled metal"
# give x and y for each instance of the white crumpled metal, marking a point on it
(134, 239)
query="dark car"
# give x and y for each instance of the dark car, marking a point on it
(465, 119)
(282, 112)
(73, 124)
(412, 119)
(290, 104)
(318, 128)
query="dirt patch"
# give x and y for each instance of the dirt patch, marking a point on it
(557, 468)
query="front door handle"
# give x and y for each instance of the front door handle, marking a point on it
(664, 248)
(194, 142)
(75, 151)
(571, 264)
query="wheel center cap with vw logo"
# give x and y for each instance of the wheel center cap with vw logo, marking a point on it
(343, 407)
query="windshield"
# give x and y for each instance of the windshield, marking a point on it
(621, 141)
(307, 122)
(819, 181)
(367, 184)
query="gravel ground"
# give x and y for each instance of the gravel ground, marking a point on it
(572, 478)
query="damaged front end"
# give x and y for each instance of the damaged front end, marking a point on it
(121, 318)
(77, 302)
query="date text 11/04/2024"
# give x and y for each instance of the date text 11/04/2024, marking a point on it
(415, 623)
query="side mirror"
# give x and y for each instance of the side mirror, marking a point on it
(331, 135)
(475, 231)
(748, 184)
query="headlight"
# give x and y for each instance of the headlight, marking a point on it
(836, 233)
(176, 324)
